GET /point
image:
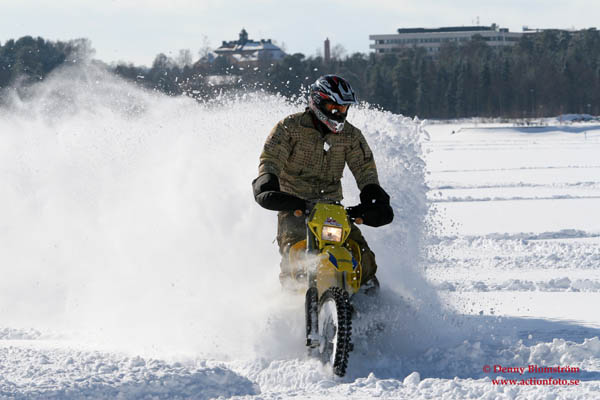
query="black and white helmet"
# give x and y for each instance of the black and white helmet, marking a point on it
(329, 99)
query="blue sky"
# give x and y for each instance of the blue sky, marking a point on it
(137, 30)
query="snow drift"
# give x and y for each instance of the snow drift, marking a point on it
(128, 218)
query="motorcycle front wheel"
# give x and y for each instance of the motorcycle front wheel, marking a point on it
(335, 329)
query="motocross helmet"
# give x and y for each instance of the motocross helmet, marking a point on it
(329, 99)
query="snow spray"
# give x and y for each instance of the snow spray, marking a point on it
(127, 217)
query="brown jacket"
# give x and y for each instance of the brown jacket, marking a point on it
(310, 164)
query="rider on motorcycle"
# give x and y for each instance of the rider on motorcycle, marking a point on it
(303, 160)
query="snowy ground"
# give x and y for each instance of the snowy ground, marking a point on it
(135, 264)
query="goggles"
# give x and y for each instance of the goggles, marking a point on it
(330, 107)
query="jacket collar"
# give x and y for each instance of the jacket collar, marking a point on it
(309, 120)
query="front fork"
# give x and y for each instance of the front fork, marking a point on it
(311, 302)
(312, 319)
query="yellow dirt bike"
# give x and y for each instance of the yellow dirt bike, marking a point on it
(330, 264)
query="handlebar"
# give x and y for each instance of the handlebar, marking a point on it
(299, 213)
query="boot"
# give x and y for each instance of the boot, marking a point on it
(370, 287)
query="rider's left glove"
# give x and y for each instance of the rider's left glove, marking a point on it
(374, 207)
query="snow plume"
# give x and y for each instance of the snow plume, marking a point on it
(128, 217)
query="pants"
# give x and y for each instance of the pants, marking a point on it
(292, 229)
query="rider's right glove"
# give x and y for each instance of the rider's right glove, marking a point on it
(356, 211)
(268, 194)
(374, 207)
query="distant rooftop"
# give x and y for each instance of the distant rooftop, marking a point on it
(494, 27)
(244, 41)
(245, 50)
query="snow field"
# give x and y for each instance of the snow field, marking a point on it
(137, 265)
(519, 246)
(132, 230)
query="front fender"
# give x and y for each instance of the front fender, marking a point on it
(337, 267)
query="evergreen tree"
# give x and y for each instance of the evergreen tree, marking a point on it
(461, 96)
(545, 73)
(405, 87)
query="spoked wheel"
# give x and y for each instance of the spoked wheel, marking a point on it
(335, 329)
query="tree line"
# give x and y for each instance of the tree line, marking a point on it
(544, 74)
(29, 60)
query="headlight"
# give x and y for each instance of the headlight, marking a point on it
(332, 233)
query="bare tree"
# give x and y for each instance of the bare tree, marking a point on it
(205, 48)
(338, 52)
(184, 58)
(81, 49)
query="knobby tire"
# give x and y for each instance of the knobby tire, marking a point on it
(344, 327)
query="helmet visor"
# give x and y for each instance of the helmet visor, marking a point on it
(336, 108)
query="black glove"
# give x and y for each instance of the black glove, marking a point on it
(268, 195)
(356, 211)
(374, 194)
(374, 207)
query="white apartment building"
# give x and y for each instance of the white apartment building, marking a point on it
(432, 39)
